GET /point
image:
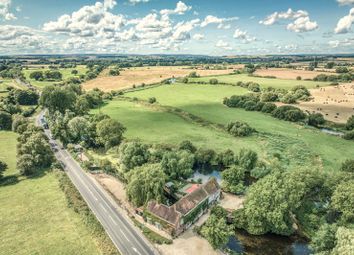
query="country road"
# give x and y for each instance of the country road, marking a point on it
(123, 234)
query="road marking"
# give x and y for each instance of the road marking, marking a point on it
(124, 235)
(103, 207)
(136, 250)
(114, 222)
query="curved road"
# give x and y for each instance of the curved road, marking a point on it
(123, 234)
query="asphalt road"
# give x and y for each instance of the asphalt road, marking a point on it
(125, 237)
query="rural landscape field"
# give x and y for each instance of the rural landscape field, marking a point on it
(146, 127)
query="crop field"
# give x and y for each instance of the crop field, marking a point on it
(284, 73)
(66, 72)
(302, 145)
(34, 216)
(147, 75)
(336, 103)
(263, 82)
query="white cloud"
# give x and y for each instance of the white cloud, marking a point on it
(348, 42)
(223, 45)
(5, 10)
(345, 2)
(210, 19)
(345, 23)
(198, 37)
(302, 24)
(134, 2)
(244, 36)
(180, 9)
(301, 20)
(92, 20)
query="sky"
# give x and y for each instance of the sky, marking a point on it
(207, 27)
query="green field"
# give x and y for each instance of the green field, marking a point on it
(66, 72)
(33, 214)
(302, 145)
(263, 82)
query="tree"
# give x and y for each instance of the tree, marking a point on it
(350, 123)
(152, 100)
(3, 167)
(114, 72)
(329, 65)
(109, 133)
(324, 239)
(79, 129)
(5, 121)
(343, 200)
(82, 106)
(145, 183)
(273, 201)
(19, 123)
(57, 99)
(26, 97)
(316, 119)
(53, 75)
(216, 231)
(74, 72)
(204, 158)
(37, 75)
(345, 241)
(132, 154)
(178, 164)
(26, 165)
(226, 158)
(247, 159)
(233, 179)
(213, 81)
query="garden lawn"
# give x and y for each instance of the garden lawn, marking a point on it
(263, 82)
(301, 145)
(66, 72)
(34, 216)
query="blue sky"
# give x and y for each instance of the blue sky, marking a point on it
(223, 27)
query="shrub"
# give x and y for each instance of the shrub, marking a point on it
(316, 119)
(152, 100)
(269, 97)
(290, 113)
(288, 98)
(298, 78)
(349, 135)
(185, 80)
(254, 87)
(239, 129)
(350, 123)
(268, 107)
(250, 106)
(213, 81)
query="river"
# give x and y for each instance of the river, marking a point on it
(268, 244)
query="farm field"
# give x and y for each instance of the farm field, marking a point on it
(34, 216)
(300, 144)
(336, 103)
(263, 82)
(291, 74)
(155, 126)
(147, 75)
(66, 72)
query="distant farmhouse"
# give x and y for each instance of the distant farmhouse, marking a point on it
(180, 216)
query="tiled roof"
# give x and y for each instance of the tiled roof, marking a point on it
(168, 213)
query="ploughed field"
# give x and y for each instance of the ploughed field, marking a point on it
(263, 82)
(297, 145)
(35, 218)
(147, 75)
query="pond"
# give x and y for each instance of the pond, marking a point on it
(206, 175)
(269, 244)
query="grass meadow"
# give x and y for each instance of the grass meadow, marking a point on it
(66, 72)
(33, 214)
(299, 144)
(263, 82)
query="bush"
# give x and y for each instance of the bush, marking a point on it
(239, 129)
(298, 78)
(316, 119)
(348, 166)
(213, 81)
(349, 135)
(5, 121)
(269, 97)
(350, 123)
(268, 107)
(289, 113)
(114, 72)
(250, 106)
(185, 80)
(152, 100)
(288, 98)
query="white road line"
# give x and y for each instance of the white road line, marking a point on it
(136, 250)
(124, 235)
(104, 208)
(114, 222)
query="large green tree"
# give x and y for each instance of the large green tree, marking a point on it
(5, 121)
(132, 154)
(343, 200)
(109, 133)
(58, 99)
(145, 183)
(233, 179)
(178, 164)
(216, 231)
(3, 167)
(79, 129)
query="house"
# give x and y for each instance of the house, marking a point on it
(180, 216)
